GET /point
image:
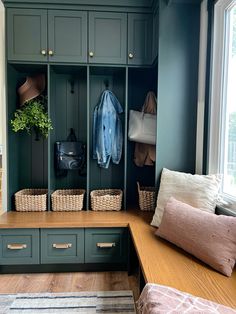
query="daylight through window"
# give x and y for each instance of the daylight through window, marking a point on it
(228, 136)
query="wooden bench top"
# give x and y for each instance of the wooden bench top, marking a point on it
(164, 263)
(161, 262)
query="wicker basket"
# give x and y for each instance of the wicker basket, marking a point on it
(107, 199)
(147, 199)
(67, 200)
(31, 200)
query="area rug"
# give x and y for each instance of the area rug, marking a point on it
(108, 302)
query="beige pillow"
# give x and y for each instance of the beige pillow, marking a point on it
(196, 190)
(209, 237)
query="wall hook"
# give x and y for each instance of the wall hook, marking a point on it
(72, 86)
(106, 83)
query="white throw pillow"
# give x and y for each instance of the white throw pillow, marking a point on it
(199, 191)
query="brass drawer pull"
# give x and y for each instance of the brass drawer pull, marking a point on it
(15, 246)
(106, 244)
(62, 245)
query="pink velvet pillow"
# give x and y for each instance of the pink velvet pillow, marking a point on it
(209, 237)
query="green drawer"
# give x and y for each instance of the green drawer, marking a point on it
(105, 245)
(62, 246)
(19, 246)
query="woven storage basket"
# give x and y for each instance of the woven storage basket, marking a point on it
(31, 200)
(67, 200)
(107, 199)
(147, 199)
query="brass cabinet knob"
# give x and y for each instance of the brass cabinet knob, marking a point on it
(91, 54)
(43, 52)
(50, 52)
(131, 55)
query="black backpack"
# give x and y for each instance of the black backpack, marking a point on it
(70, 155)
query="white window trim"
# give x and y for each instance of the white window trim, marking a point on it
(201, 87)
(216, 94)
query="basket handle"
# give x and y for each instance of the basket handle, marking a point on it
(138, 186)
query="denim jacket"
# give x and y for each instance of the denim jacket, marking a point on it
(107, 130)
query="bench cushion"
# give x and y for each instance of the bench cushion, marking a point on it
(162, 299)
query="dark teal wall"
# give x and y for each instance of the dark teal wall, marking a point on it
(177, 85)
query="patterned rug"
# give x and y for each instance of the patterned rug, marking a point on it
(108, 302)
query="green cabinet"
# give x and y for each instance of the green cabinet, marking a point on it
(139, 39)
(155, 37)
(27, 34)
(110, 33)
(105, 245)
(62, 246)
(61, 36)
(47, 35)
(67, 36)
(107, 37)
(19, 246)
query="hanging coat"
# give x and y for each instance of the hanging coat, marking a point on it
(107, 130)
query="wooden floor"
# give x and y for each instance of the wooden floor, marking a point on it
(68, 282)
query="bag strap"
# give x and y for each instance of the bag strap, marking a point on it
(72, 137)
(150, 104)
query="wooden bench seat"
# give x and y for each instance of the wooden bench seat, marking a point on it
(160, 261)
(166, 264)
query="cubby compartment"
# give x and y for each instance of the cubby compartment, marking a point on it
(140, 82)
(114, 80)
(68, 110)
(27, 153)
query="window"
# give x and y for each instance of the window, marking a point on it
(222, 153)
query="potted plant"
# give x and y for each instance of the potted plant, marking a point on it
(33, 117)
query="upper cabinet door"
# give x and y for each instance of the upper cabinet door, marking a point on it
(139, 39)
(107, 37)
(67, 31)
(155, 37)
(27, 34)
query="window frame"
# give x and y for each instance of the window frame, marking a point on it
(217, 94)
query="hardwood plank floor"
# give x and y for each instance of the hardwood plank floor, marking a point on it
(68, 282)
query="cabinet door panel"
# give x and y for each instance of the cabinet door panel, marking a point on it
(105, 245)
(19, 246)
(27, 34)
(139, 38)
(67, 31)
(107, 37)
(62, 246)
(155, 37)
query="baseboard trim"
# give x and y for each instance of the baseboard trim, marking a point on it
(46, 268)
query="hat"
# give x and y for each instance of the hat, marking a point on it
(33, 87)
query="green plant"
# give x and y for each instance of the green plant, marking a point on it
(32, 116)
